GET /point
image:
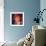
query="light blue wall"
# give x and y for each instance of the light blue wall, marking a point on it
(29, 7)
(43, 6)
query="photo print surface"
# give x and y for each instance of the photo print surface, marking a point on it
(17, 18)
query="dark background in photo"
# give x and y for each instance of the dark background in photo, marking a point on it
(14, 17)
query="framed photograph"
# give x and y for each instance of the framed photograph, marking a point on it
(17, 18)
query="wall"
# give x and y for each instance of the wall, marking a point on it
(43, 6)
(29, 7)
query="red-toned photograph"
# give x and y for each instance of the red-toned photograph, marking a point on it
(17, 18)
